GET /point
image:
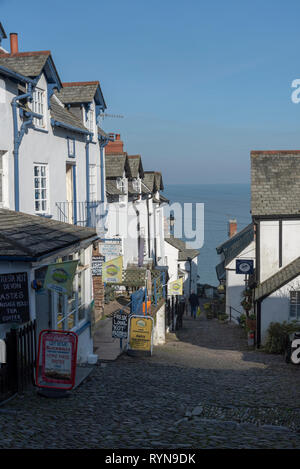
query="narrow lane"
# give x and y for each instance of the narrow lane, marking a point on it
(203, 389)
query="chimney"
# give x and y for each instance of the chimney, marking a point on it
(14, 48)
(115, 147)
(232, 228)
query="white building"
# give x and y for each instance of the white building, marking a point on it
(275, 196)
(240, 246)
(51, 155)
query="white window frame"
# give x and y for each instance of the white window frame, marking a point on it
(90, 120)
(39, 186)
(294, 305)
(121, 184)
(80, 303)
(93, 182)
(136, 184)
(38, 106)
(2, 181)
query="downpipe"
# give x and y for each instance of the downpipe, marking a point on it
(18, 136)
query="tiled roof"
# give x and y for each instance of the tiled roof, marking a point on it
(278, 280)
(275, 182)
(63, 115)
(184, 252)
(78, 92)
(220, 270)
(149, 180)
(115, 165)
(135, 165)
(29, 64)
(111, 188)
(234, 245)
(31, 237)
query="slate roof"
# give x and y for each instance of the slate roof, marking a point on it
(78, 92)
(115, 164)
(278, 280)
(275, 182)
(111, 188)
(2, 32)
(234, 245)
(28, 64)
(136, 166)
(63, 115)
(31, 238)
(184, 252)
(220, 270)
(149, 181)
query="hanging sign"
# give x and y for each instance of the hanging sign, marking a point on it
(97, 263)
(60, 276)
(140, 334)
(120, 325)
(175, 287)
(244, 266)
(112, 270)
(14, 299)
(56, 362)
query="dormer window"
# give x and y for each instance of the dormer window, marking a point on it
(38, 106)
(136, 184)
(90, 120)
(121, 184)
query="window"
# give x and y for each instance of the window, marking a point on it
(71, 147)
(93, 182)
(295, 305)
(69, 311)
(90, 120)
(38, 106)
(1, 178)
(121, 184)
(41, 196)
(136, 184)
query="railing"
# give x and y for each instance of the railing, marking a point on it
(18, 371)
(89, 214)
(231, 316)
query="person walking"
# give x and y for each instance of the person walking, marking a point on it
(194, 302)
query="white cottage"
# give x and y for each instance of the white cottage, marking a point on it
(275, 196)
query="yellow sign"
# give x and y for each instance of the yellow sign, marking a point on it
(175, 287)
(140, 333)
(59, 277)
(112, 270)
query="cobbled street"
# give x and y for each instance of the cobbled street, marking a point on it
(203, 389)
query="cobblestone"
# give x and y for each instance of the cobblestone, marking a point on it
(203, 389)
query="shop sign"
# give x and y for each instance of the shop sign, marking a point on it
(112, 270)
(141, 333)
(60, 276)
(244, 266)
(175, 287)
(120, 325)
(110, 249)
(56, 362)
(14, 298)
(97, 264)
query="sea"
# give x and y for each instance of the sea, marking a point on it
(221, 203)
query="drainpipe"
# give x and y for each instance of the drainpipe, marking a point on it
(18, 135)
(87, 163)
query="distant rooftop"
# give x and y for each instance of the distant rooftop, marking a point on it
(275, 182)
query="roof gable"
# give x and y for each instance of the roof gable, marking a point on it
(82, 92)
(275, 182)
(135, 165)
(236, 244)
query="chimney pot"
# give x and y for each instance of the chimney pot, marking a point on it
(14, 48)
(118, 136)
(232, 228)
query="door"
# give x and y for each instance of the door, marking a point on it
(70, 192)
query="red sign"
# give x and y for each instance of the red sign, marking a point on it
(56, 363)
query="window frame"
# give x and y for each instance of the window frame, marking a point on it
(79, 304)
(39, 107)
(40, 188)
(294, 303)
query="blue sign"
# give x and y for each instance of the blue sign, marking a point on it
(244, 266)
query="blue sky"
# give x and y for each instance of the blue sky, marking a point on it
(200, 83)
